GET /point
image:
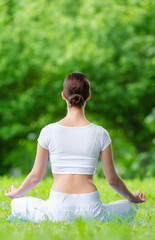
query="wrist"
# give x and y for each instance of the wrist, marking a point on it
(16, 194)
(131, 197)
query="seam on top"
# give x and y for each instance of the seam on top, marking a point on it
(94, 140)
(105, 139)
(47, 136)
(91, 124)
(53, 137)
(102, 139)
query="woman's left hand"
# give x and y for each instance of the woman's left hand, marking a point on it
(11, 193)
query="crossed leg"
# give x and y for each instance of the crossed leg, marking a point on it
(29, 208)
(121, 209)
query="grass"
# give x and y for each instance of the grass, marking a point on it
(80, 229)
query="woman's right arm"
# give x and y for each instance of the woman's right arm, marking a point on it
(115, 180)
(34, 177)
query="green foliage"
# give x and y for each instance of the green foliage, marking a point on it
(80, 230)
(112, 42)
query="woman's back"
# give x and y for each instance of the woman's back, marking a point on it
(74, 153)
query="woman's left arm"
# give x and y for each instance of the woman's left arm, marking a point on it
(34, 177)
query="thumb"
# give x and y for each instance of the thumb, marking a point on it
(6, 192)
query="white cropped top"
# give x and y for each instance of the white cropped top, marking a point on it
(74, 150)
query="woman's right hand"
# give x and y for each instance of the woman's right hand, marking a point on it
(11, 193)
(138, 197)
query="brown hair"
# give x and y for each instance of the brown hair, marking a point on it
(76, 88)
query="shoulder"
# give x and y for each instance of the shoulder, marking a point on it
(45, 136)
(47, 128)
(101, 129)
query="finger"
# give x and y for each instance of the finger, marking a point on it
(143, 198)
(141, 195)
(6, 191)
(9, 189)
(138, 192)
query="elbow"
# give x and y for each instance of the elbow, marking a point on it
(35, 178)
(113, 180)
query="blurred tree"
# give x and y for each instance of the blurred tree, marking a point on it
(112, 42)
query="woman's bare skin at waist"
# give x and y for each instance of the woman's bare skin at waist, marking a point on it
(73, 183)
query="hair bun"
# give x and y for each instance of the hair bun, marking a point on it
(76, 100)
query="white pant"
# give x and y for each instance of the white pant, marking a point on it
(65, 206)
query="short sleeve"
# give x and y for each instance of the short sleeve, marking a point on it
(43, 138)
(106, 140)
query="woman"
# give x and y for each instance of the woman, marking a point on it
(73, 145)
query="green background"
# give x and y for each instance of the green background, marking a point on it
(112, 42)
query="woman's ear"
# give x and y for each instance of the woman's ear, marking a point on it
(63, 96)
(88, 97)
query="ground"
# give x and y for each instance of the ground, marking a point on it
(81, 229)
